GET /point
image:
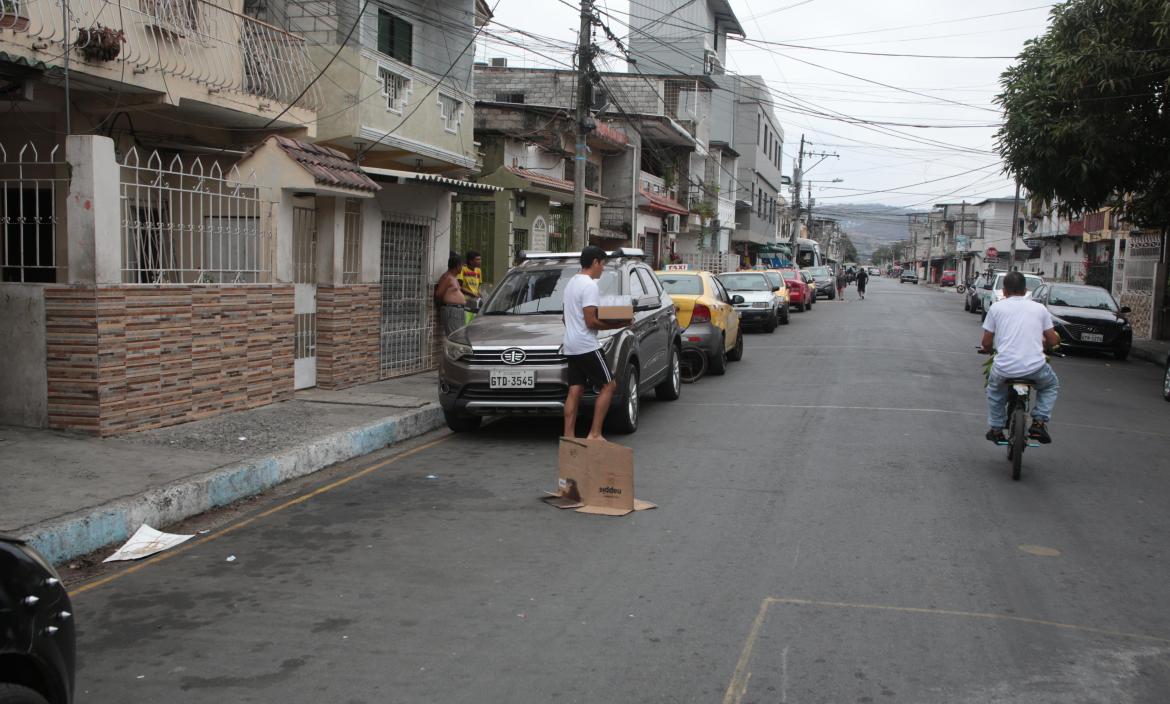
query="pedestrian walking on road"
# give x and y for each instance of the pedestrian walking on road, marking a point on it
(862, 279)
(841, 284)
(582, 299)
(452, 303)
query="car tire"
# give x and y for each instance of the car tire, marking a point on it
(623, 417)
(670, 388)
(17, 694)
(1122, 355)
(736, 353)
(966, 305)
(717, 362)
(1166, 381)
(832, 296)
(770, 326)
(784, 319)
(983, 317)
(458, 424)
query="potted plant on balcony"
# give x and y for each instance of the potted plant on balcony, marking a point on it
(12, 15)
(98, 43)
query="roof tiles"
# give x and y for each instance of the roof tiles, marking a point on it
(329, 167)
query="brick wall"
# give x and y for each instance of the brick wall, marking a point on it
(348, 348)
(125, 358)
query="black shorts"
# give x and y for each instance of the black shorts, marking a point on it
(588, 369)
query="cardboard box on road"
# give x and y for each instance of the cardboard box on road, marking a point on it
(616, 308)
(596, 476)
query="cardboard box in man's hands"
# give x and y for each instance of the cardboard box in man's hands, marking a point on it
(616, 308)
(596, 476)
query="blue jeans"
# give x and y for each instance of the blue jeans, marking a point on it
(1046, 385)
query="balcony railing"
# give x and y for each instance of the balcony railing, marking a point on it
(189, 39)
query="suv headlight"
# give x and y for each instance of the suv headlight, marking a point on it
(456, 351)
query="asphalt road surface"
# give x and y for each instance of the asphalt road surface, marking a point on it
(832, 528)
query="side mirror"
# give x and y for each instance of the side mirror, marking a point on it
(1126, 309)
(647, 303)
(775, 288)
(736, 300)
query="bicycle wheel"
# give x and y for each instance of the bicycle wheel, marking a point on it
(1019, 440)
(692, 365)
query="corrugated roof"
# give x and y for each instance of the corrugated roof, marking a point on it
(663, 203)
(328, 166)
(550, 182)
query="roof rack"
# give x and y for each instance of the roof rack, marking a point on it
(619, 252)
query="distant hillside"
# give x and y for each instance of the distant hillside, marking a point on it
(869, 225)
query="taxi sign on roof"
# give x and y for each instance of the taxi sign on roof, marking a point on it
(677, 267)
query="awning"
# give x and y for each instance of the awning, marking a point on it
(456, 184)
(660, 203)
(554, 188)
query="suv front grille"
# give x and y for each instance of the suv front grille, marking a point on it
(534, 357)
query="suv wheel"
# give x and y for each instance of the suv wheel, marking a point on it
(671, 387)
(461, 424)
(623, 416)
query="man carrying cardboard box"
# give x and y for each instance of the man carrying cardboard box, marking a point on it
(582, 349)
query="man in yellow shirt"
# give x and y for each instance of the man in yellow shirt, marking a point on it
(470, 279)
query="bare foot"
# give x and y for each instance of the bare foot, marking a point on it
(591, 436)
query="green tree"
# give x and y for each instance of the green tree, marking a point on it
(848, 251)
(1087, 118)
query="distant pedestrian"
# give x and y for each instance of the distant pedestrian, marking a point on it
(452, 303)
(862, 279)
(470, 279)
(841, 282)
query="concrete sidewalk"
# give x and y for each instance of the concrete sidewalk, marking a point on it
(69, 495)
(1154, 351)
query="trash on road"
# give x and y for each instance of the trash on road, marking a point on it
(596, 476)
(230, 558)
(145, 542)
(432, 476)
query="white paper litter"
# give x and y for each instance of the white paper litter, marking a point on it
(145, 542)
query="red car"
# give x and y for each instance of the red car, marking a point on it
(948, 278)
(800, 294)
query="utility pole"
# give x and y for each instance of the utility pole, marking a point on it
(584, 98)
(963, 234)
(797, 178)
(1015, 226)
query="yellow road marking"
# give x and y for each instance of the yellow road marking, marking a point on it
(1039, 550)
(737, 689)
(252, 519)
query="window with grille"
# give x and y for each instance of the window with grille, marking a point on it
(352, 261)
(509, 97)
(395, 37)
(394, 89)
(177, 16)
(450, 112)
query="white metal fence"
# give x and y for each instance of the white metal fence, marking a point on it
(31, 180)
(713, 262)
(407, 328)
(192, 39)
(184, 222)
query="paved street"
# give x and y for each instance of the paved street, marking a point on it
(832, 528)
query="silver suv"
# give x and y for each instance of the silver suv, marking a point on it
(508, 361)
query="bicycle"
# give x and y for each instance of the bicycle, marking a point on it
(1019, 407)
(692, 364)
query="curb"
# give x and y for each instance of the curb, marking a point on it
(93, 528)
(1154, 356)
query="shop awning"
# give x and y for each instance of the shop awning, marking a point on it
(660, 203)
(455, 184)
(558, 189)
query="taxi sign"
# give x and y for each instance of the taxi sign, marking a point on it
(677, 267)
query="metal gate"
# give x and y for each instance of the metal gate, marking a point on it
(473, 227)
(650, 247)
(305, 305)
(1139, 280)
(407, 329)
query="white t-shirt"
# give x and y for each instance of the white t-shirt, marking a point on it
(581, 292)
(1018, 324)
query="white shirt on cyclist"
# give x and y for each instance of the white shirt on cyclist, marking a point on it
(1019, 324)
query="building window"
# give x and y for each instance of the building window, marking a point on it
(177, 16)
(394, 89)
(395, 37)
(758, 123)
(510, 98)
(450, 112)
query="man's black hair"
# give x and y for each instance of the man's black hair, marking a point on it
(471, 254)
(454, 261)
(590, 254)
(1015, 284)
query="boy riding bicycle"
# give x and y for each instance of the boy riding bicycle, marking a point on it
(1019, 329)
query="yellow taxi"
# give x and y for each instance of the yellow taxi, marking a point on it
(706, 314)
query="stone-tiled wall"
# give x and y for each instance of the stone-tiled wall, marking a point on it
(348, 349)
(125, 358)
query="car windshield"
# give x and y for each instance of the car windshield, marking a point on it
(790, 275)
(774, 279)
(1032, 282)
(686, 284)
(1096, 298)
(745, 282)
(541, 291)
(819, 271)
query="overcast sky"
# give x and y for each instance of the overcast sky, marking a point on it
(956, 155)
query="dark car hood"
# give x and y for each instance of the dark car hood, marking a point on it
(518, 330)
(1087, 316)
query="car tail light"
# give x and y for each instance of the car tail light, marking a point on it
(701, 314)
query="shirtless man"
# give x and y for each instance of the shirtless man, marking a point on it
(452, 303)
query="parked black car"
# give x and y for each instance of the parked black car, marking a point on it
(908, 275)
(37, 638)
(826, 282)
(1087, 317)
(508, 361)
